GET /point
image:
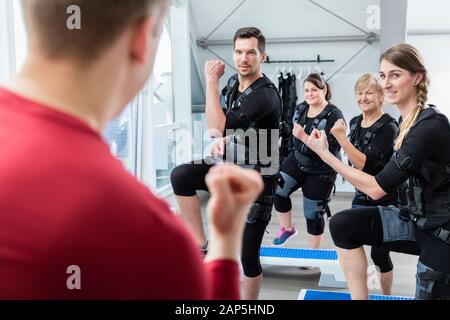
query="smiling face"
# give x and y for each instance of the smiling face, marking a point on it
(399, 84)
(369, 99)
(314, 95)
(247, 57)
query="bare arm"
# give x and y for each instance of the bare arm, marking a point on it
(356, 157)
(360, 180)
(215, 119)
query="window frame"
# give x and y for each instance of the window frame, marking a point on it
(7, 40)
(177, 24)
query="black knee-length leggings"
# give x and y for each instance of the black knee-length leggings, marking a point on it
(315, 187)
(353, 228)
(188, 178)
(380, 256)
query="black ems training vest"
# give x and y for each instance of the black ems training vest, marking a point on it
(235, 105)
(308, 161)
(231, 90)
(262, 207)
(428, 191)
(363, 143)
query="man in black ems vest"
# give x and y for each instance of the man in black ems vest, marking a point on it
(246, 129)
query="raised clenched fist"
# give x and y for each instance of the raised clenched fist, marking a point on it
(339, 130)
(214, 70)
(298, 131)
(233, 191)
(318, 142)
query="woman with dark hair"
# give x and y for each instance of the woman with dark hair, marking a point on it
(422, 161)
(304, 169)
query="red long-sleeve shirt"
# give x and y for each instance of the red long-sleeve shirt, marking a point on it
(66, 201)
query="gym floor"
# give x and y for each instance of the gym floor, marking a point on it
(285, 283)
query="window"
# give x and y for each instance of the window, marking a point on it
(201, 144)
(165, 106)
(121, 136)
(163, 112)
(20, 36)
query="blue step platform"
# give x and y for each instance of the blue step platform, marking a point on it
(327, 260)
(308, 294)
(292, 253)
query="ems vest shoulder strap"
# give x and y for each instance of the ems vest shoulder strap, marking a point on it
(232, 87)
(430, 113)
(385, 119)
(406, 163)
(230, 90)
(355, 125)
(302, 111)
(325, 114)
(374, 129)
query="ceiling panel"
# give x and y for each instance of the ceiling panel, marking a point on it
(281, 18)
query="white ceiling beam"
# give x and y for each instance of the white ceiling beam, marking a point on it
(428, 32)
(371, 38)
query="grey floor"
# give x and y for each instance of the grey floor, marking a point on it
(285, 283)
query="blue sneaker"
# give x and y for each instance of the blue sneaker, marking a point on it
(284, 236)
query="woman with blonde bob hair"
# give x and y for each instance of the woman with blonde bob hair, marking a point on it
(422, 162)
(369, 147)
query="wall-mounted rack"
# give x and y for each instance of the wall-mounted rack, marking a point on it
(318, 60)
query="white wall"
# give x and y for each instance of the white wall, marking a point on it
(436, 50)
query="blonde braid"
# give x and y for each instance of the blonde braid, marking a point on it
(422, 91)
(406, 125)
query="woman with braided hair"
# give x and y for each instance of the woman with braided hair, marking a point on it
(421, 161)
(369, 147)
